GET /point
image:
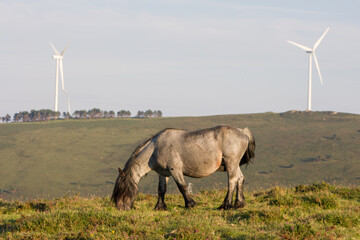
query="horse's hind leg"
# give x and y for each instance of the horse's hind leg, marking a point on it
(160, 205)
(233, 178)
(180, 182)
(240, 198)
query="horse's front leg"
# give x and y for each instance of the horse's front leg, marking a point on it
(240, 198)
(180, 182)
(160, 205)
(233, 176)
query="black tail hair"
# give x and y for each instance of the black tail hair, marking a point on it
(250, 151)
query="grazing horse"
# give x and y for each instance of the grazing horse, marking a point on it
(176, 153)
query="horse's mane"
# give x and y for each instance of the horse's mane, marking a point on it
(136, 153)
(139, 148)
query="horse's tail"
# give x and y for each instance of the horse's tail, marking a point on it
(250, 151)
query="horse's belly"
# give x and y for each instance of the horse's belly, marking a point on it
(163, 172)
(201, 169)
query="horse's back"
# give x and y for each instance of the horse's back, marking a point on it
(198, 153)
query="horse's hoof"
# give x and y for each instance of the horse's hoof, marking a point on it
(162, 207)
(239, 204)
(190, 204)
(225, 207)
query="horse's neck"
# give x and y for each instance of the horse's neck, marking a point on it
(140, 165)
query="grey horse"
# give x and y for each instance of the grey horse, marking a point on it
(174, 152)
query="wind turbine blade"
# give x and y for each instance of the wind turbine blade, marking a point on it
(62, 53)
(55, 50)
(320, 39)
(317, 66)
(300, 46)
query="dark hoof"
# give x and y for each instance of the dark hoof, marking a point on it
(239, 204)
(225, 207)
(160, 207)
(190, 204)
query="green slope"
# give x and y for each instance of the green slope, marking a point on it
(51, 159)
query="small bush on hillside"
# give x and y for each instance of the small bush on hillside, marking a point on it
(325, 201)
(348, 193)
(316, 187)
(313, 195)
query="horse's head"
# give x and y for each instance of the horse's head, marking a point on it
(124, 192)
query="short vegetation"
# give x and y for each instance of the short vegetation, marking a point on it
(48, 160)
(317, 211)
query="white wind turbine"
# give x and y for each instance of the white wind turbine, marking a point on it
(311, 52)
(59, 57)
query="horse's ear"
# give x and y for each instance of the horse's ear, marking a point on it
(121, 172)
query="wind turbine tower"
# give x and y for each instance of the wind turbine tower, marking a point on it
(59, 64)
(311, 52)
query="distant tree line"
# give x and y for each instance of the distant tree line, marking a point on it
(36, 115)
(148, 114)
(6, 118)
(123, 113)
(95, 113)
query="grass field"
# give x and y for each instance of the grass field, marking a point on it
(317, 211)
(59, 158)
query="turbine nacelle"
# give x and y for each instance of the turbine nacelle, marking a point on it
(57, 57)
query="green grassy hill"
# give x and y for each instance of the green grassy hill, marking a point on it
(317, 211)
(52, 159)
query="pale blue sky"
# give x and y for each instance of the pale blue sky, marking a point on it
(186, 58)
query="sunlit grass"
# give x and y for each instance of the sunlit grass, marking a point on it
(317, 211)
